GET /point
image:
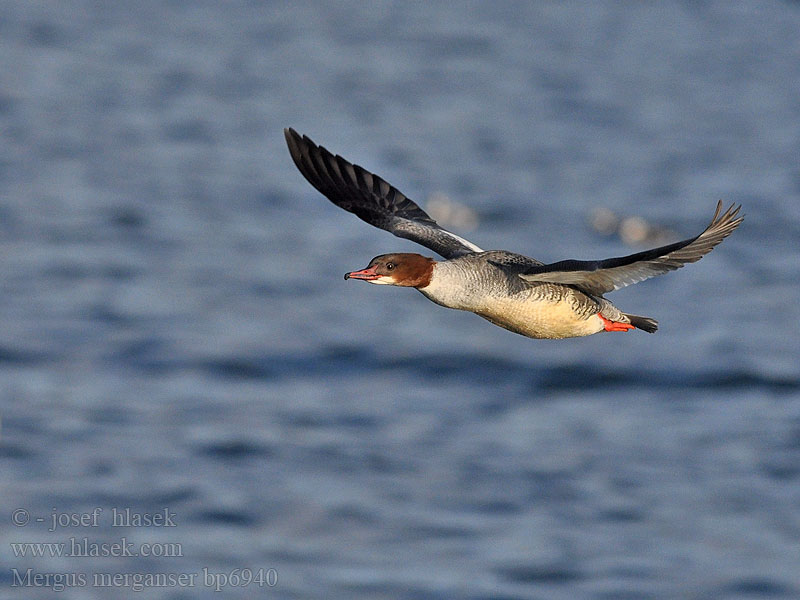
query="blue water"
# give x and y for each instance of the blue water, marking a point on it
(175, 332)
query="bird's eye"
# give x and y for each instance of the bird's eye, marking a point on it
(389, 266)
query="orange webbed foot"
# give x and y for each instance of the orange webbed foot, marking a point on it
(614, 325)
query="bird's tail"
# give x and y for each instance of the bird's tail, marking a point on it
(644, 323)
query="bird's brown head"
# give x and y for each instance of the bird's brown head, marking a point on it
(402, 268)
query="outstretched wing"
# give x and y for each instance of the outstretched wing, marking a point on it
(370, 198)
(603, 276)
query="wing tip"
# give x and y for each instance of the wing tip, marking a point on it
(292, 137)
(298, 142)
(731, 213)
(295, 144)
(726, 222)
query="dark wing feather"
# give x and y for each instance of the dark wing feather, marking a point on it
(511, 262)
(370, 198)
(603, 276)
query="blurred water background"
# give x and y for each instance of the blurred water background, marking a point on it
(175, 332)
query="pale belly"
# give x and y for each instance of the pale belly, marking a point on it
(533, 310)
(540, 319)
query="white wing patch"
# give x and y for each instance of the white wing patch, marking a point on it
(467, 243)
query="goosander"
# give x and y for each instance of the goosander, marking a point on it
(558, 300)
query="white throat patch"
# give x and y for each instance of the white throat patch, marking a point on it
(383, 280)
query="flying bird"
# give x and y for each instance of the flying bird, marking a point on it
(558, 300)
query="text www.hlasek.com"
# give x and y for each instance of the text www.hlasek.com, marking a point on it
(82, 547)
(137, 582)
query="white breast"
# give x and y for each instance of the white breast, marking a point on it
(455, 286)
(482, 289)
